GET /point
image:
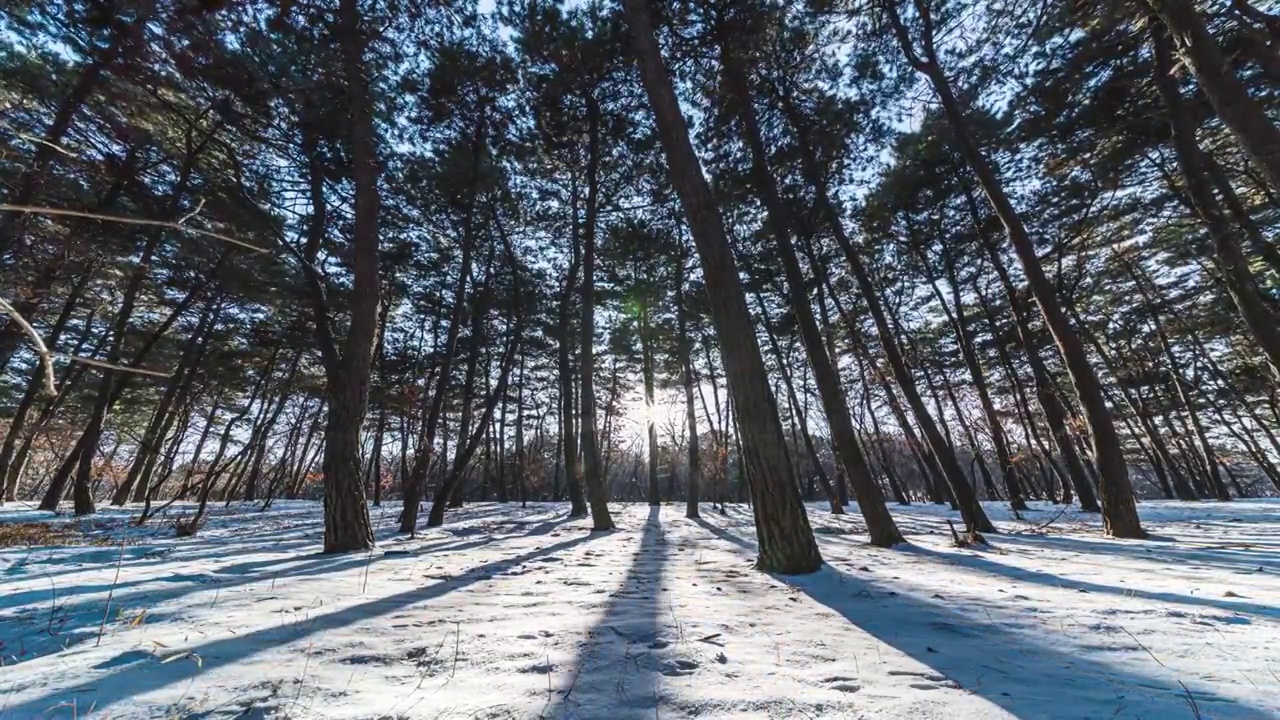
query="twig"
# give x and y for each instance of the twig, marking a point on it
(364, 584)
(302, 680)
(1144, 647)
(53, 605)
(130, 221)
(124, 530)
(37, 141)
(1191, 700)
(457, 640)
(199, 206)
(1046, 523)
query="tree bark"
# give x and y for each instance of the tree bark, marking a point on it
(346, 523)
(1119, 510)
(785, 540)
(651, 424)
(693, 492)
(1239, 111)
(1236, 275)
(597, 493)
(880, 525)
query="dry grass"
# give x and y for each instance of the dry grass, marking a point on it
(38, 534)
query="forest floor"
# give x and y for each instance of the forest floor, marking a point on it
(510, 612)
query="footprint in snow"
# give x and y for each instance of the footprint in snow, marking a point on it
(842, 683)
(679, 668)
(924, 686)
(931, 677)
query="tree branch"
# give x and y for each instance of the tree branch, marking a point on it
(132, 221)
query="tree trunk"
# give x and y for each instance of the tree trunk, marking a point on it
(467, 445)
(965, 339)
(568, 409)
(971, 511)
(162, 419)
(1239, 111)
(693, 492)
(477, 347)
(501, 481)
(597, 493)
(346, 522)
(880, 525)
(1210, 461)
(1236, 275)
(1119, 510)
(1055, 413)
(651, 424)
(521, 485)
(803, 425)
(785, 540)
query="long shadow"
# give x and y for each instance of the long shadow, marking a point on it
(618, 673)
(1040, 577)
(243, 572)
(68, 618)
(153, 549)
(156, 545)
(140, 674)
(1242, 559)
(724, 534)
(220, 578)
(1014, 670)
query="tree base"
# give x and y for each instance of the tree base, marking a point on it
(776, 567)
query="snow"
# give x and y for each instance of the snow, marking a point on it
(521, 613)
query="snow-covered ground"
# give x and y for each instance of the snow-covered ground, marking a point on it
(519, 613)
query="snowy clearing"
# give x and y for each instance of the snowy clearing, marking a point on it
(519, 613)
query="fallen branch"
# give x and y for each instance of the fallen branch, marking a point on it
(1062, 511)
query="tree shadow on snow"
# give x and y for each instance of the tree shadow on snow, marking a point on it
(976, 561)
(1022, 672)
(619, 669)
(1247, 556)
(724, 534)
(282, 563)
(227, 534)
(144, 674)
(71, 614)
